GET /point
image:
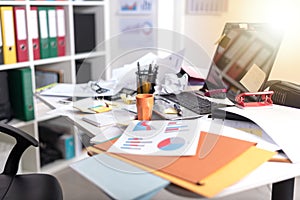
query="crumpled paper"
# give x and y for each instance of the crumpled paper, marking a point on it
(172, 84)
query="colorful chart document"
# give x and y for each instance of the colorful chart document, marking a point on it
(160, 138)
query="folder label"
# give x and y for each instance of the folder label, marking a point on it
(34, 27)
(43, 24)
(52, 23)
(61, 23)
(61, 31)
(21, 24)
(9, 28)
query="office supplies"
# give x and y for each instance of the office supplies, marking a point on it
(52, 31)
(100, 108)
(21, 33)
(133, 182)
(35, 32)
(178, 109)
(262, 99)
(43, 32)
(96, 87)
(139, 79)
(146, 79)
(8, 35)
(144, 105)
(21, 93)
(61, 31)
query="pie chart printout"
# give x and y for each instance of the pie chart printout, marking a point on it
(171, 144)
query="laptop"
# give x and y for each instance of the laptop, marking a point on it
(242, 62)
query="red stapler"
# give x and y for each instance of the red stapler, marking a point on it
(265, 99)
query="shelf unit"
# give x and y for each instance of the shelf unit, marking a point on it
(97, 58)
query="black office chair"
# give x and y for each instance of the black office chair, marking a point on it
(25, 186)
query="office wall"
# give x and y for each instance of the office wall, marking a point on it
(205, 29)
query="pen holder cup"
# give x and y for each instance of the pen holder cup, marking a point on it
(145, 82)
(144, 105)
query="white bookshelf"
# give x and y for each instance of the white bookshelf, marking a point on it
(31, 158)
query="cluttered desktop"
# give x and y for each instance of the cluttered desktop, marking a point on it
(190, 135)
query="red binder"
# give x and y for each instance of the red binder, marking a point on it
(61, 31)
(21, 33)
(35, 33)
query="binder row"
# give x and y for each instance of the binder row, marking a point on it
(47, 30)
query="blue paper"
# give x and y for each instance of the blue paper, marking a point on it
(119, 179)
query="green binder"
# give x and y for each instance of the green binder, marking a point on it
(52, 31)
(43, 32)
(21, 93)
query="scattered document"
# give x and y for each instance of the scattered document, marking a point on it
(75, 90)
(168, 138)
(101, 119)
(117, 116)
(246, 131)
(108, 133)
(281, 123)
(119, 179)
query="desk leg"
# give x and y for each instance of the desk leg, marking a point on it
(283, 190)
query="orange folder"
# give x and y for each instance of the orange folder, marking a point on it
(193, 168)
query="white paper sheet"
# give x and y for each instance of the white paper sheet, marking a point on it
(75, 90)
(281, 123)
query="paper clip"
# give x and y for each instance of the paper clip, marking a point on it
(265, 99)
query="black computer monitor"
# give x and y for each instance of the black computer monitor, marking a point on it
(244, 58)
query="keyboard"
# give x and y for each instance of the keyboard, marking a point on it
(191, 101)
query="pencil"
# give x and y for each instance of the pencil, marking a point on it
(140, 85)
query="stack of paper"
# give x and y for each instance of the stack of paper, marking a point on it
(100, 119)
(205, 175)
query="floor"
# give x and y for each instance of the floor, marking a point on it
(76, 187)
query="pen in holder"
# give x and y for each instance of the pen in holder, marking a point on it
(146, 79)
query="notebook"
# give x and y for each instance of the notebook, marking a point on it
(242, 62)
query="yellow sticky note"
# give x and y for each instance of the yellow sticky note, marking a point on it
(100, 108)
